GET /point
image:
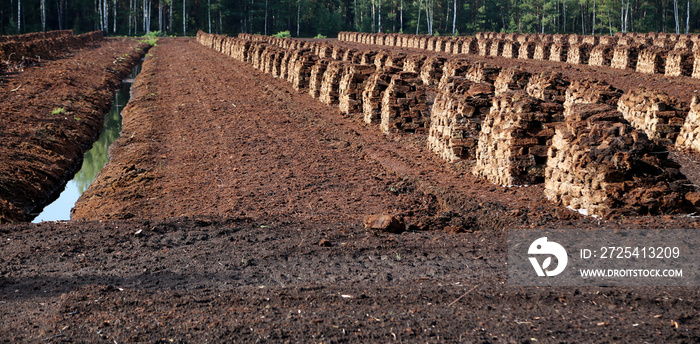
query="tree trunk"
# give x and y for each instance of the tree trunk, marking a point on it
(298, 15)
(184, 17)
(593, 23)
(401, 15)
(43, 15)
(170, 18)
(380, 16)
(687, 16)
(418, 22)
(131, 6)
(374, 15)
(266, 17)
(209, 14)
(675, 16)
(454, 17)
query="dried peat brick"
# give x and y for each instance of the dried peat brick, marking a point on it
(655, 113)
(679, 62)
(385, 223)
(316, 77)
(548, 86)
(514, 138)
(578, 53)
(600, 165)
(591, 91)
(625, 57)
(511, 79)
(601, 55)
(330, 85)
(414, 63)
(542, 51)
(404, 105)
(526, 51)
(456, 116)
(432, 70)
(482, 72)
(652, 60)
(373, 93)
(351, 86)
(689, 136)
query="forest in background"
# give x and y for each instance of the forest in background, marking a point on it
(308, 18)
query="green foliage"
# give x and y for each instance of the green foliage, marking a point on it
(151, 38)
(319, 36)
(283, 34)
(329, 17)
(436, 33)
(58, 111)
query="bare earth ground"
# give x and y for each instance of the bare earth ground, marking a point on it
(232, 211)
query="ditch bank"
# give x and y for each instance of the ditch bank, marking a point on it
(54, 113)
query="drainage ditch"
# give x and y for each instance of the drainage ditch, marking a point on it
(94, 159)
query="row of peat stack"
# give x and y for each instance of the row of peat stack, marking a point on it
(592, 146)
(651, 53)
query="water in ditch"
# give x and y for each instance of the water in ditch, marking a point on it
(94, 159)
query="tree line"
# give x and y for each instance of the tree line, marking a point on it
(306, 18)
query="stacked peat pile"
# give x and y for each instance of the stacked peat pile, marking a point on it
(455, 121)
(696, 64)
(284, 64)
(625, 57)
(496, 48)
(316, 77)
(351, 86)
(404, 105)
(256, 57)
(330, 85)
(558, 52)
(414, 63)
(599, 165)
(542, 50)
(514, 139)
(591, 91)
(339, 52)
(482, 72)
(470, 46)
(548, 86)
(300, 72)
(679, 62)
(511, 79)
(578, 53)
(527, 50)
(456, 66)
(431, 73)
(367, 57)
(652, 60)
(689, 136)
(655, 113)
(484, 47)
(511, 49)
(373, 93)
(352, 56)
(601, 55)
(380, 59)
(395, 60)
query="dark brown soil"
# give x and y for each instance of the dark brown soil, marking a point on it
(232, 211)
